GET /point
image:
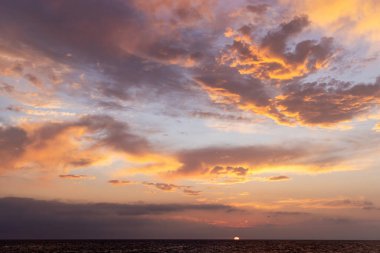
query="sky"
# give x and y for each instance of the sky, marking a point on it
(211, 119)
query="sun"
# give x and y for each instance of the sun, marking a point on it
(236, 238)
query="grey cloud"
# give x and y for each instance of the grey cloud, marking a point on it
(316, 103)
(329, 103)
(220, 170)
(219, 116)
(13, 141)
(278, 178)
(30, 218)
(81, 162)
(75, 177)
(116, 134)
(112, 38)
(6, 88)
(22, 218)
(285, 213)
(197, 161)
(161, 186)
(34, 80)
(257, 9)
(249, 89)
(276, 40)
(364, 204)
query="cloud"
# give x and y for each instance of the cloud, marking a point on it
(376, 128)
(257, 9)
(323, 104)
(24, 218)
(282, 213)
(352, 19)
(220, 170)
(171, 187)
(271, 58)
(238, 164)
(205, 160)
(169, 54)
(160, 186)
(226, 86)
(13, 141)
(31, 218)
(332, 203)
(119, 182)
(62, 32)
(327, 103)
(76, 177)
(116, 134)
(220, 116)
(278, 178)
(69, 144)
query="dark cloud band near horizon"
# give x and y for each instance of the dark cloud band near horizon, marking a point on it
(25, 218)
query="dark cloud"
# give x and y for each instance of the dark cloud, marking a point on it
(119, 182)
(278, 178)
(22, 218)
(257, 9)
(34, 80)
(276, 41)
(110, 105)
(160, 186)
(115, 39)
(81, 162)
(13, 141)
(172, 187)
(219, 160)
(14, 108)
(220, 170)
(327, 103)
(364, 204)
(225, 82)
(297, 102)
(115, 134)
(122, 48)
(284, 213)
(76, 177)
(5, 87)
(30, 218)
(339, 203)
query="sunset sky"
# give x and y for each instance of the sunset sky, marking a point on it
(190, 119)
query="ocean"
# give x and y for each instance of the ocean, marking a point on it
(201, 246)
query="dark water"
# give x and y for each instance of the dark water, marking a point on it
(202, 246)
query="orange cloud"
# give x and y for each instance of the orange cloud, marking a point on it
(351, 18)
(88, 141)
(270, 59)
(377, 127)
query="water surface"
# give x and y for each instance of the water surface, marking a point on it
(201, 246)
